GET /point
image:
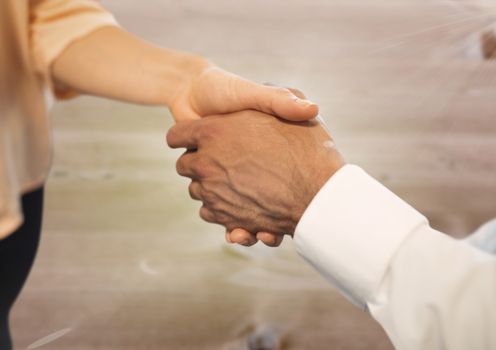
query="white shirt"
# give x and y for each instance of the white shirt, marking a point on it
(426, 289)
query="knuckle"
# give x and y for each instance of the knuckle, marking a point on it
(209, 196)
(181, 166)
(283, 92)
(194, 189)
(202, 167)
(209, 187)
(207, 215)
(223, 216)
(208, 131)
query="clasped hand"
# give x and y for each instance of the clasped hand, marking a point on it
(254, 173)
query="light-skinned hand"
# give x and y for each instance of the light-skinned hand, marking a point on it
(214, 91)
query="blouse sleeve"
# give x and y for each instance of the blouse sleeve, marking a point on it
(55, 24)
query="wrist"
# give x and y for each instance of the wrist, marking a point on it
(178, 77)
(320, 176)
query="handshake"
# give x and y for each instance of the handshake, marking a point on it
(255, 173)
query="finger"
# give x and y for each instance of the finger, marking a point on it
(195, 190)
(243, 237)
(296, 92)
(270, 239)
(273, 100)
(184, 165)
(228, 237)
(207, 215)
(184, 134)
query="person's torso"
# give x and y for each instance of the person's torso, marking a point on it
(25, 148)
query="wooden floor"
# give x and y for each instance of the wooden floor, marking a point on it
(125, 263)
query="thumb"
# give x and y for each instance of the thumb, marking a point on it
(219, 92)
(285, 103)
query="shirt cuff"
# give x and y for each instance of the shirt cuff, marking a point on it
(351, 230)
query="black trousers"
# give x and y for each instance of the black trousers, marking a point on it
(17, 253)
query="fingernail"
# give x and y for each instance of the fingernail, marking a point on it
(304, 102)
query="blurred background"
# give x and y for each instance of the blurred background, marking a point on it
(407, 88)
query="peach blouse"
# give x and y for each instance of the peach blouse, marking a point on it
(32, 34)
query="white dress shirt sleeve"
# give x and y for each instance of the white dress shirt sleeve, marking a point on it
(427, 290)
(484, 238)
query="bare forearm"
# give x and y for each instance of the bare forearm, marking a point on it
(111, 62)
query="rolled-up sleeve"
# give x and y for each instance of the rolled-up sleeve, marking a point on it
(55, 24)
